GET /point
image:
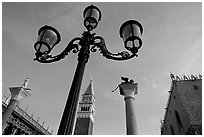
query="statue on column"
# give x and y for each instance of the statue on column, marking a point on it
(17, 93)
(125, 80)
(129, 89)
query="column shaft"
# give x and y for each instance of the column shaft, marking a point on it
(7, 112)
(131, 123)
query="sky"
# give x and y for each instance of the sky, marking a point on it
(172, 42)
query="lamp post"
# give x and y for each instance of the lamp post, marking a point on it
(49, 37)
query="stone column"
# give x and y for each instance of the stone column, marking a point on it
(14, 130)
(8, 129)
(18, 130)
(128, 90)
(5, 129)
(17, 93)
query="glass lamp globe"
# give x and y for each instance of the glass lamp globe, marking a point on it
(48, 38)
(92, 15)
(131, 32)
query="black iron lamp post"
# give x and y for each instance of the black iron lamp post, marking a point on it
(49, 37)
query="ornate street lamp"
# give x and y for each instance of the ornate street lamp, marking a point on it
(130, 32)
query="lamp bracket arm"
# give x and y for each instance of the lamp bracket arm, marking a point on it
(72, 46)
(99, 43)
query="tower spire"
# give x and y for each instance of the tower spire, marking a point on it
(89, 90)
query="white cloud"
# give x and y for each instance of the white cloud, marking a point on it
(152, 83)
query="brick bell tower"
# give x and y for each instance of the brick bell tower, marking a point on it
(85, 114)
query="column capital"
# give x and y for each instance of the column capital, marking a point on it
(129, 97)
(128, 89)
(17, 93)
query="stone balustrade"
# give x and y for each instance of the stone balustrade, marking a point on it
(15, 126)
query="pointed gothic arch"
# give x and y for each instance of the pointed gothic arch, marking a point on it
(172, 130)
(178, 120)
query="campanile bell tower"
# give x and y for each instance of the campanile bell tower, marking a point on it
(85, 114)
